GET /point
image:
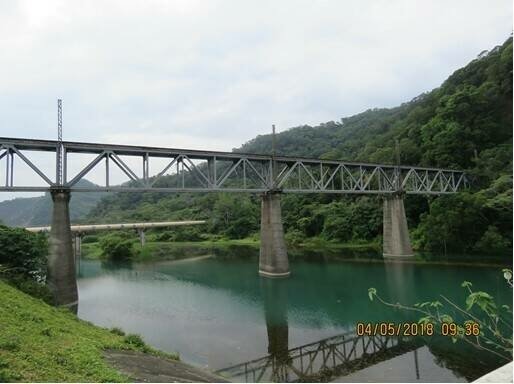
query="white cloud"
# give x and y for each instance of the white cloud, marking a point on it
(213, 74)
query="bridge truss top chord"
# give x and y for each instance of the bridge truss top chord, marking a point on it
(206, 171)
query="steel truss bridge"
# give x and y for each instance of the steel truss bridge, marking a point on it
(328, 358)
(207, 171)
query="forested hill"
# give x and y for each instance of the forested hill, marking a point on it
(37, 211)
(465, 123)
(471, 111)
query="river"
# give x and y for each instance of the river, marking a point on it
(216, 312)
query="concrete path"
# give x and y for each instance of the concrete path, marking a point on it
(147, 368)
(500, 375)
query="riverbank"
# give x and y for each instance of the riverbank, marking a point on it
(363, 252)
(40, 343)
(164, 250)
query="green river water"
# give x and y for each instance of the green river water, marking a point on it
(216, 312)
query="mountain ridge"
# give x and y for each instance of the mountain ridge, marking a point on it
(36, 211)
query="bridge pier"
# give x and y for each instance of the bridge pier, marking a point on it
(61, 276)
(142, 238)
(274, 294)
(273, 261)
(78, 249)
(396, 241)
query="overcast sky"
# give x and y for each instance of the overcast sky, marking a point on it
(213, 74)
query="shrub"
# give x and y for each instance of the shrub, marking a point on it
(117, 331)
(134, 340)
(294, 237)
(90, 239)
(117, 247)
(11, 344)
(33, 288)
(23, 253)
(493, 242)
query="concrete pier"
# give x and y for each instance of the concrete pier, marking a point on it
(77, 249)
(78, 245)
(274, 294)
(142, 238)
(273, 261)
(61, 276)
(396, 241)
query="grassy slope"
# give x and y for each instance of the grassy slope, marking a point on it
(42, 343)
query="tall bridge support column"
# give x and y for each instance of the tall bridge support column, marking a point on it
(78, 249)
(142, 239)
(273, 261)
(396, 241)
(78, 245)
(61, 262)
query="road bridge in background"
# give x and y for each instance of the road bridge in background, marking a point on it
(209, 171)
(79, 230)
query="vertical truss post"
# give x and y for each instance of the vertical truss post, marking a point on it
(146, 169)
(183, 173)
(397, 169)
(107, 157)
(11, 176)
(244, 174)
(7, 167)
(211, 171)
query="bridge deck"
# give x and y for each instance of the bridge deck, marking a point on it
(108, 227)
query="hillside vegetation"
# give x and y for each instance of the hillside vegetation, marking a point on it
(40, 343)
(37, 211)
(466, 123)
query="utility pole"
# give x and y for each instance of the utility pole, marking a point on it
(397, 152)
(399, 173)
(273, 143)
(59, 179)
(273, 153)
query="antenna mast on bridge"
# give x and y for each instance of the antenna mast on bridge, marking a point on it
(59, 143)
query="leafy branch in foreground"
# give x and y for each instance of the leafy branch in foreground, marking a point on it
(494, 322)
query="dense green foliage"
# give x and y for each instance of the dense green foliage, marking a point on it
(482, 322)
(466, 123)
(117, 246)
(23, 260)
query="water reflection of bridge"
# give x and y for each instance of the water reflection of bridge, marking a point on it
(319, 361)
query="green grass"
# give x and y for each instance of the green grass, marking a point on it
(320, 243)
(167, 250)
(42, 343)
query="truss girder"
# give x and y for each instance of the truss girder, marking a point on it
(204, 171)
(329, 355)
